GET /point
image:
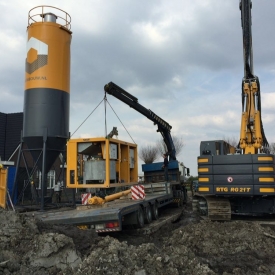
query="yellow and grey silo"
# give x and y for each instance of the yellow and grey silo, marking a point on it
(47, 84)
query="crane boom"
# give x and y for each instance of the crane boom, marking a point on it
(245, 7)
(163, 127)
(252, 136)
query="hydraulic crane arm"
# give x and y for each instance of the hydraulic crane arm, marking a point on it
(163, 127)
(252, 137)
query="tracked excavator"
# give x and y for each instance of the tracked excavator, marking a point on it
(239, 180)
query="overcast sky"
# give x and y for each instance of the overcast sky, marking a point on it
(181, 58)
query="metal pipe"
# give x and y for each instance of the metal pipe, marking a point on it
(43, 178)
(256, 101)
(117, 195)
(49, 17)
(17, 168)
(245, 103)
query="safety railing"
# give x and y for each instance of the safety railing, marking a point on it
(39, 13)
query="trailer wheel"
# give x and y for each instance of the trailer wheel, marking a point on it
(140, 218)
(148, 214)
(185, 197)
(155, 211)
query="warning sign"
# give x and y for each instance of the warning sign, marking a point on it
(230, 179)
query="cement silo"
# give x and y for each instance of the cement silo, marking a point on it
(47, 84)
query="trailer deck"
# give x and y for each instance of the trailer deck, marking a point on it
(108, 212)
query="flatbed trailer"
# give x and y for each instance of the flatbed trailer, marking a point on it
(115, 215)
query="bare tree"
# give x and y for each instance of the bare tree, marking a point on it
(148, 153)
(272, 148)
(178, 143)
(233, 141)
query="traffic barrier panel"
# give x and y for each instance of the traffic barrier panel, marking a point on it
(85, 197)
(137, 192)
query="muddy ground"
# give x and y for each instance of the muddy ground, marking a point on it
(189, 246)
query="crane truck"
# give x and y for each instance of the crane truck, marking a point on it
(108, 168)
(152, 171)
(240, 180)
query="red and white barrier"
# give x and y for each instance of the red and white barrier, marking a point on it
(85, 197)
(137, 192)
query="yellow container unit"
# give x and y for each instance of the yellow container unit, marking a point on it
(101, 163)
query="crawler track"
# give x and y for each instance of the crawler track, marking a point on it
(218, 209)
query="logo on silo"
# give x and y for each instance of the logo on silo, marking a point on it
(39, 55)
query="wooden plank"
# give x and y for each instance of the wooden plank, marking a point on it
(165, 219)
(3, 187)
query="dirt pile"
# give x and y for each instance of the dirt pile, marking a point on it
(26, 250)
(203, 248)
(226, 247)
(31, 247)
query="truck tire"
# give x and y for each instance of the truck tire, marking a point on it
(180, 203)
(185, 197)
(148, 214)
(155, 211)
(140, 218)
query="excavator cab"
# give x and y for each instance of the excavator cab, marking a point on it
(216, 147)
